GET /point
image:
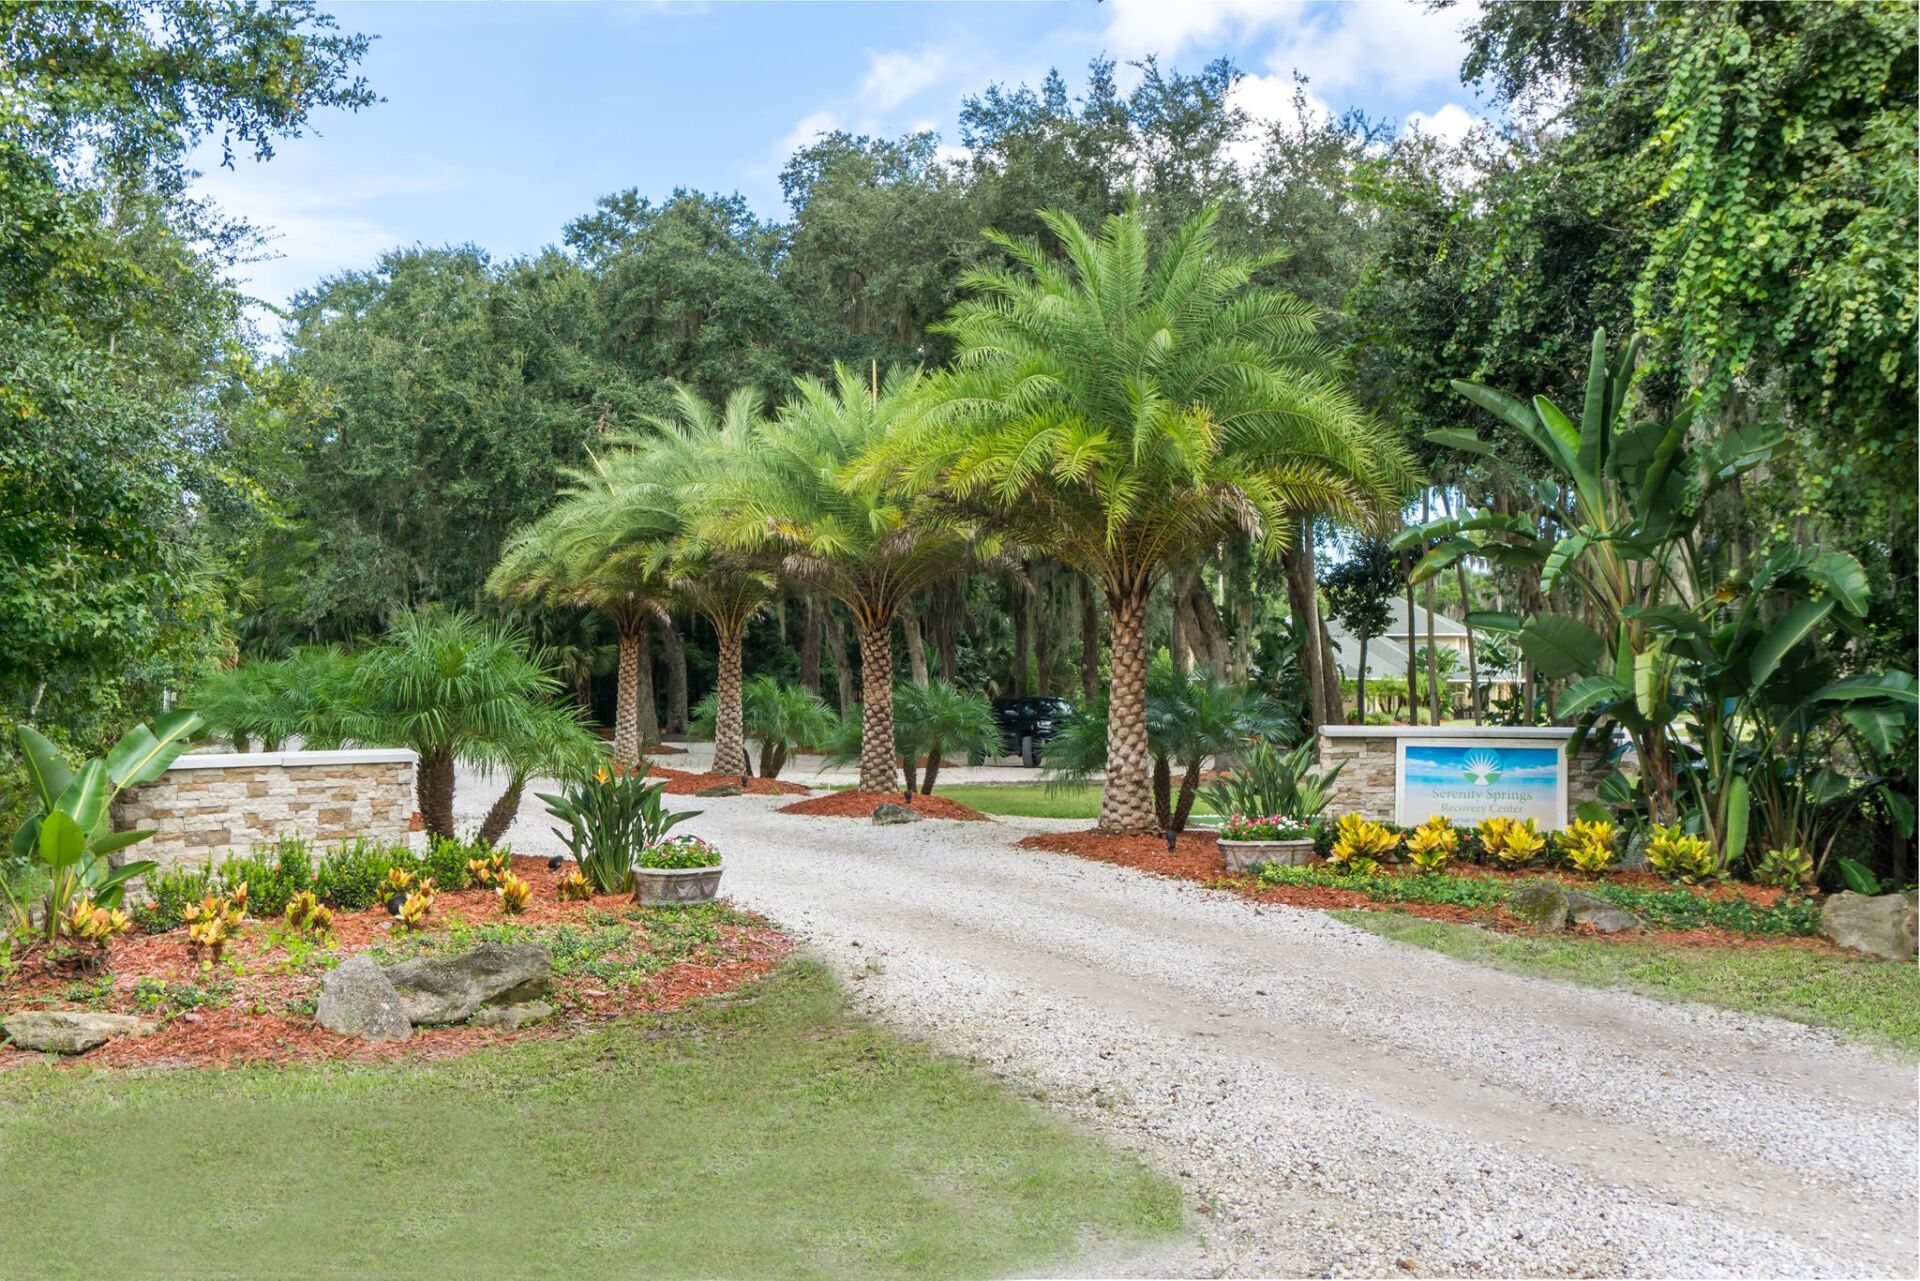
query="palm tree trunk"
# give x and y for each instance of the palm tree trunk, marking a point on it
(876, 705)
(932, 771)
(1162, 793)
(1126, 801)
(644, 700)
(916, 647)
(626, 715)
(433, 784)
(1296, 560)
(810, 648)
(501, 814)
(1189, 788)
(842, 669)
(729, 724)
(1089, 642)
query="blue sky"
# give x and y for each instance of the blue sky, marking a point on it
(502, 121)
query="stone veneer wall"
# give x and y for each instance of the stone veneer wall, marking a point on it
(1366, 783)
(206, 805)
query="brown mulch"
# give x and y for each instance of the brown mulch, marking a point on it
(1196, 857)
(862, 805)
(681, 783)
(262, 1013)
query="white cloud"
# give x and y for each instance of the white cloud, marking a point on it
(895, 76)
(1136, 28)
(1267, 99)
(810, 127)
(1377, 46)
(1449, 124)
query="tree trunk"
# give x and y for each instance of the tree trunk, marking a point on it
(1044, 635)
(931, 772)
(916, 646)
(1162, 793)
(1466, 608)
(1180, 642)
(946, 628)
(769, 759)
(1089, 642)
(810, 648)
(676, 648)
(1303, 605)
(1126, 802)
(501, 814)
(729, 728)
(626, 714)
(876, 705)
(433, 784)
(907, 767)
(1360, 683)
(1206, 633)
(1433, 648)
(1413, 682)
(842, 669)
(1022, 637)
(1189, 788)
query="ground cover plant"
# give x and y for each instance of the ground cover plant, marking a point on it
(772, 1134)
(1869, 999)
(250, 978)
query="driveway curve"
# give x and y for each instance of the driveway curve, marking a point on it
(1339, 1104)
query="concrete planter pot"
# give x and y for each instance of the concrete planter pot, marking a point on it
(1244, 856)
(675, 886)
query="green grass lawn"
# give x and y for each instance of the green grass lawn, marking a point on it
(775, 1136)
(1026, 800)
(1874, 1001)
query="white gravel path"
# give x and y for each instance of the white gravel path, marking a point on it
(1337, 1104)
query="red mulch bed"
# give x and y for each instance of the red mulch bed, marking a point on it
(862, 805)
(681, 783)
(1196, 857)
(261, 1016)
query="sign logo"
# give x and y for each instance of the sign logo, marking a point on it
(1481, 767)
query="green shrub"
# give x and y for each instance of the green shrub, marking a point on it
(273, 874)
(610, 819)
(446, 861)
(172, 891)
(353, 875)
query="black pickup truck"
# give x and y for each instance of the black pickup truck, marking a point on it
(1026, 723)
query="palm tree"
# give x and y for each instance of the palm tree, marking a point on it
(1122, 409)
(779, 717)
(937, 718)
(458, 688)
(564, 559)
(656, 483)
(867, 542)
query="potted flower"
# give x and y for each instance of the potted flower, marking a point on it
(676, 870)
(1247, 842)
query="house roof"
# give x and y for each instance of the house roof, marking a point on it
(1388, 658)
(1396, 628)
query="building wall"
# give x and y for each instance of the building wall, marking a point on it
(205, 806)
(1366, 783)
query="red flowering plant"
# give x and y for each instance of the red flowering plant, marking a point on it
(1272, 827)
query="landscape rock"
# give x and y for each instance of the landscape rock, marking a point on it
(1542, 904)
(357, 999)
(510, 1017)
(448, 989)
(1606, 918)
(1881, 925)
(888, 813)
(720, 789)
(70, 1031)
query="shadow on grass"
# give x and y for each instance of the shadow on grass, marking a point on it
(772, 1135)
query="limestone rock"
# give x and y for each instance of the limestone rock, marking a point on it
(69, 1031)
(510, 1017)
(1542, 904)
(448, 989)
(1879, 925)
(356, 999)
(1606, 918)
(890, 813)
(720, 789)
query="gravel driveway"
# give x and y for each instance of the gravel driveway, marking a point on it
(1336, 1103)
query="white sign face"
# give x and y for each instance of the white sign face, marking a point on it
(1468, 780)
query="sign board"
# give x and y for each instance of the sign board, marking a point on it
(1480, 778)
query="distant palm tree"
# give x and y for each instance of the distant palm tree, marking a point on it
(777, 716)
(937, 718)
(793, 499)
(1122, 409)
(564, 558)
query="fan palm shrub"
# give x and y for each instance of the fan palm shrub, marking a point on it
(271, 701)
(1122, 408)
(937, 718)
(1190, 718)
(780, 718)
(795, 499)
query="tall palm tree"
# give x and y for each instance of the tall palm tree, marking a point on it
(1123, 408)
(564, 558)
(794, 499)
(655, 484)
